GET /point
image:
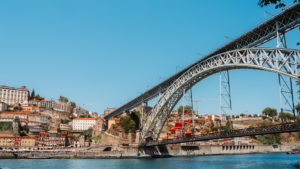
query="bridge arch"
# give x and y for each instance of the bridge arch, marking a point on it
(279, 60)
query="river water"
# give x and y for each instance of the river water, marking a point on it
(278, 160)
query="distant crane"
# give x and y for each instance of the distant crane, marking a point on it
(89, 104)
(200, 101)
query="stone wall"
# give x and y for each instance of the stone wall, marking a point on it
(108, 139)
(215, 150)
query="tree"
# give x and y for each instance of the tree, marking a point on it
(88, 132)
(32, 94)
(16, 108)
(73, 104)
(214, 129)
(37, 97)
(242, 115)
(270, 112)
(63, 99)
(207, 130)
(127, 123)
(249, 115)
(255, 115)
(20, 108)
(237, 116)
(187, 107)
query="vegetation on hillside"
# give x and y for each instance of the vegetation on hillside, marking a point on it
(88, 133)
(130, 122)
(6, 125)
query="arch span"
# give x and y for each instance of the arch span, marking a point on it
(279, 60)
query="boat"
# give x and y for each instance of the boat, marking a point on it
(294, 151)
(36, 157)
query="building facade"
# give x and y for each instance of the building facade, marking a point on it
(12, 95)
(83, 123)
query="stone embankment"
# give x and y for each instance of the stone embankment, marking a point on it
(161, 151)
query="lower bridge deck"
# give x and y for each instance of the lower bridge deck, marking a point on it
(271, 129)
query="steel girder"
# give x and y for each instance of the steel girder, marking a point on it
(279, 60)
(287, 20)
(272, 129)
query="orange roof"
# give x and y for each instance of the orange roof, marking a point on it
(115, 119)
(85, 118)
(15, 112)
(87, 140)
(53, 129)
(59, 103)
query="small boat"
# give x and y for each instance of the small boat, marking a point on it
(38, 157)
(294, 151)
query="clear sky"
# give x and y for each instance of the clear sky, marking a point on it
(105, 52)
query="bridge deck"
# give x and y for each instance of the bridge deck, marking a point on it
(272, 129)
(287, 20)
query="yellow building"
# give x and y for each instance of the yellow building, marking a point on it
(7, 140)
(113, 121)
(27, 141)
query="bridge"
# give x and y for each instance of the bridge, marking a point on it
(240, 53)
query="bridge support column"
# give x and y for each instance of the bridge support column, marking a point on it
(285, 88)
(225, 95)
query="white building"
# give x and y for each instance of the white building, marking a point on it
(12, 95)
(3, 106)
(48, 104)
(83, 123)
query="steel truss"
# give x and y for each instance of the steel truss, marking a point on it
(225, 95)
(262, 33)
(272, 129)
(282, 61)
(285, 88)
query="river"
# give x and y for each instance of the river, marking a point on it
(277, 160)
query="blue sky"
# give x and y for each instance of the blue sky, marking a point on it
(106, 52)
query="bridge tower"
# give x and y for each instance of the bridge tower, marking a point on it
(225, 95)
(285, 83)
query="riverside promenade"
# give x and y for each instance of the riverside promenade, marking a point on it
(154, 152)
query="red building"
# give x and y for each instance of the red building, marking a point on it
(17, 141)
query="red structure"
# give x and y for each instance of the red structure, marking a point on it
(17, 141)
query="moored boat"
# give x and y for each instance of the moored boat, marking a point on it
(294, 151)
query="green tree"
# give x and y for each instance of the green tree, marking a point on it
(242, 115)
(214, 129)
(127, 123)
(270, 112)
(88, 133)
(73, 104)
(255, 115)
(187, 107)
(37, 97)
(207, 130)
(16, 108)
(32, 94)
(63, 99)
(249, 115)
(135, 116)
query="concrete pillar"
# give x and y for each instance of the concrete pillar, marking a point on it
(137, 136)
(130, 137)
(120, 137)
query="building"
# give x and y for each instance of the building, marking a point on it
(113, 121)
(48, 104)
(17, 141)
(107, 111)
(83, 123)
(99, 126)
(65, 127)
(81, 140)
(12, 95)
(3, 106)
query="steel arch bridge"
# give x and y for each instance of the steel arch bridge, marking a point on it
(279, 60)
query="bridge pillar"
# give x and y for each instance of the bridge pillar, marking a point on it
(130, 137)
(137, 136)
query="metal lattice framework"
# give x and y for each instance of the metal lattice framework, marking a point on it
(279, 60)
(271, 129)
(282, 22)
